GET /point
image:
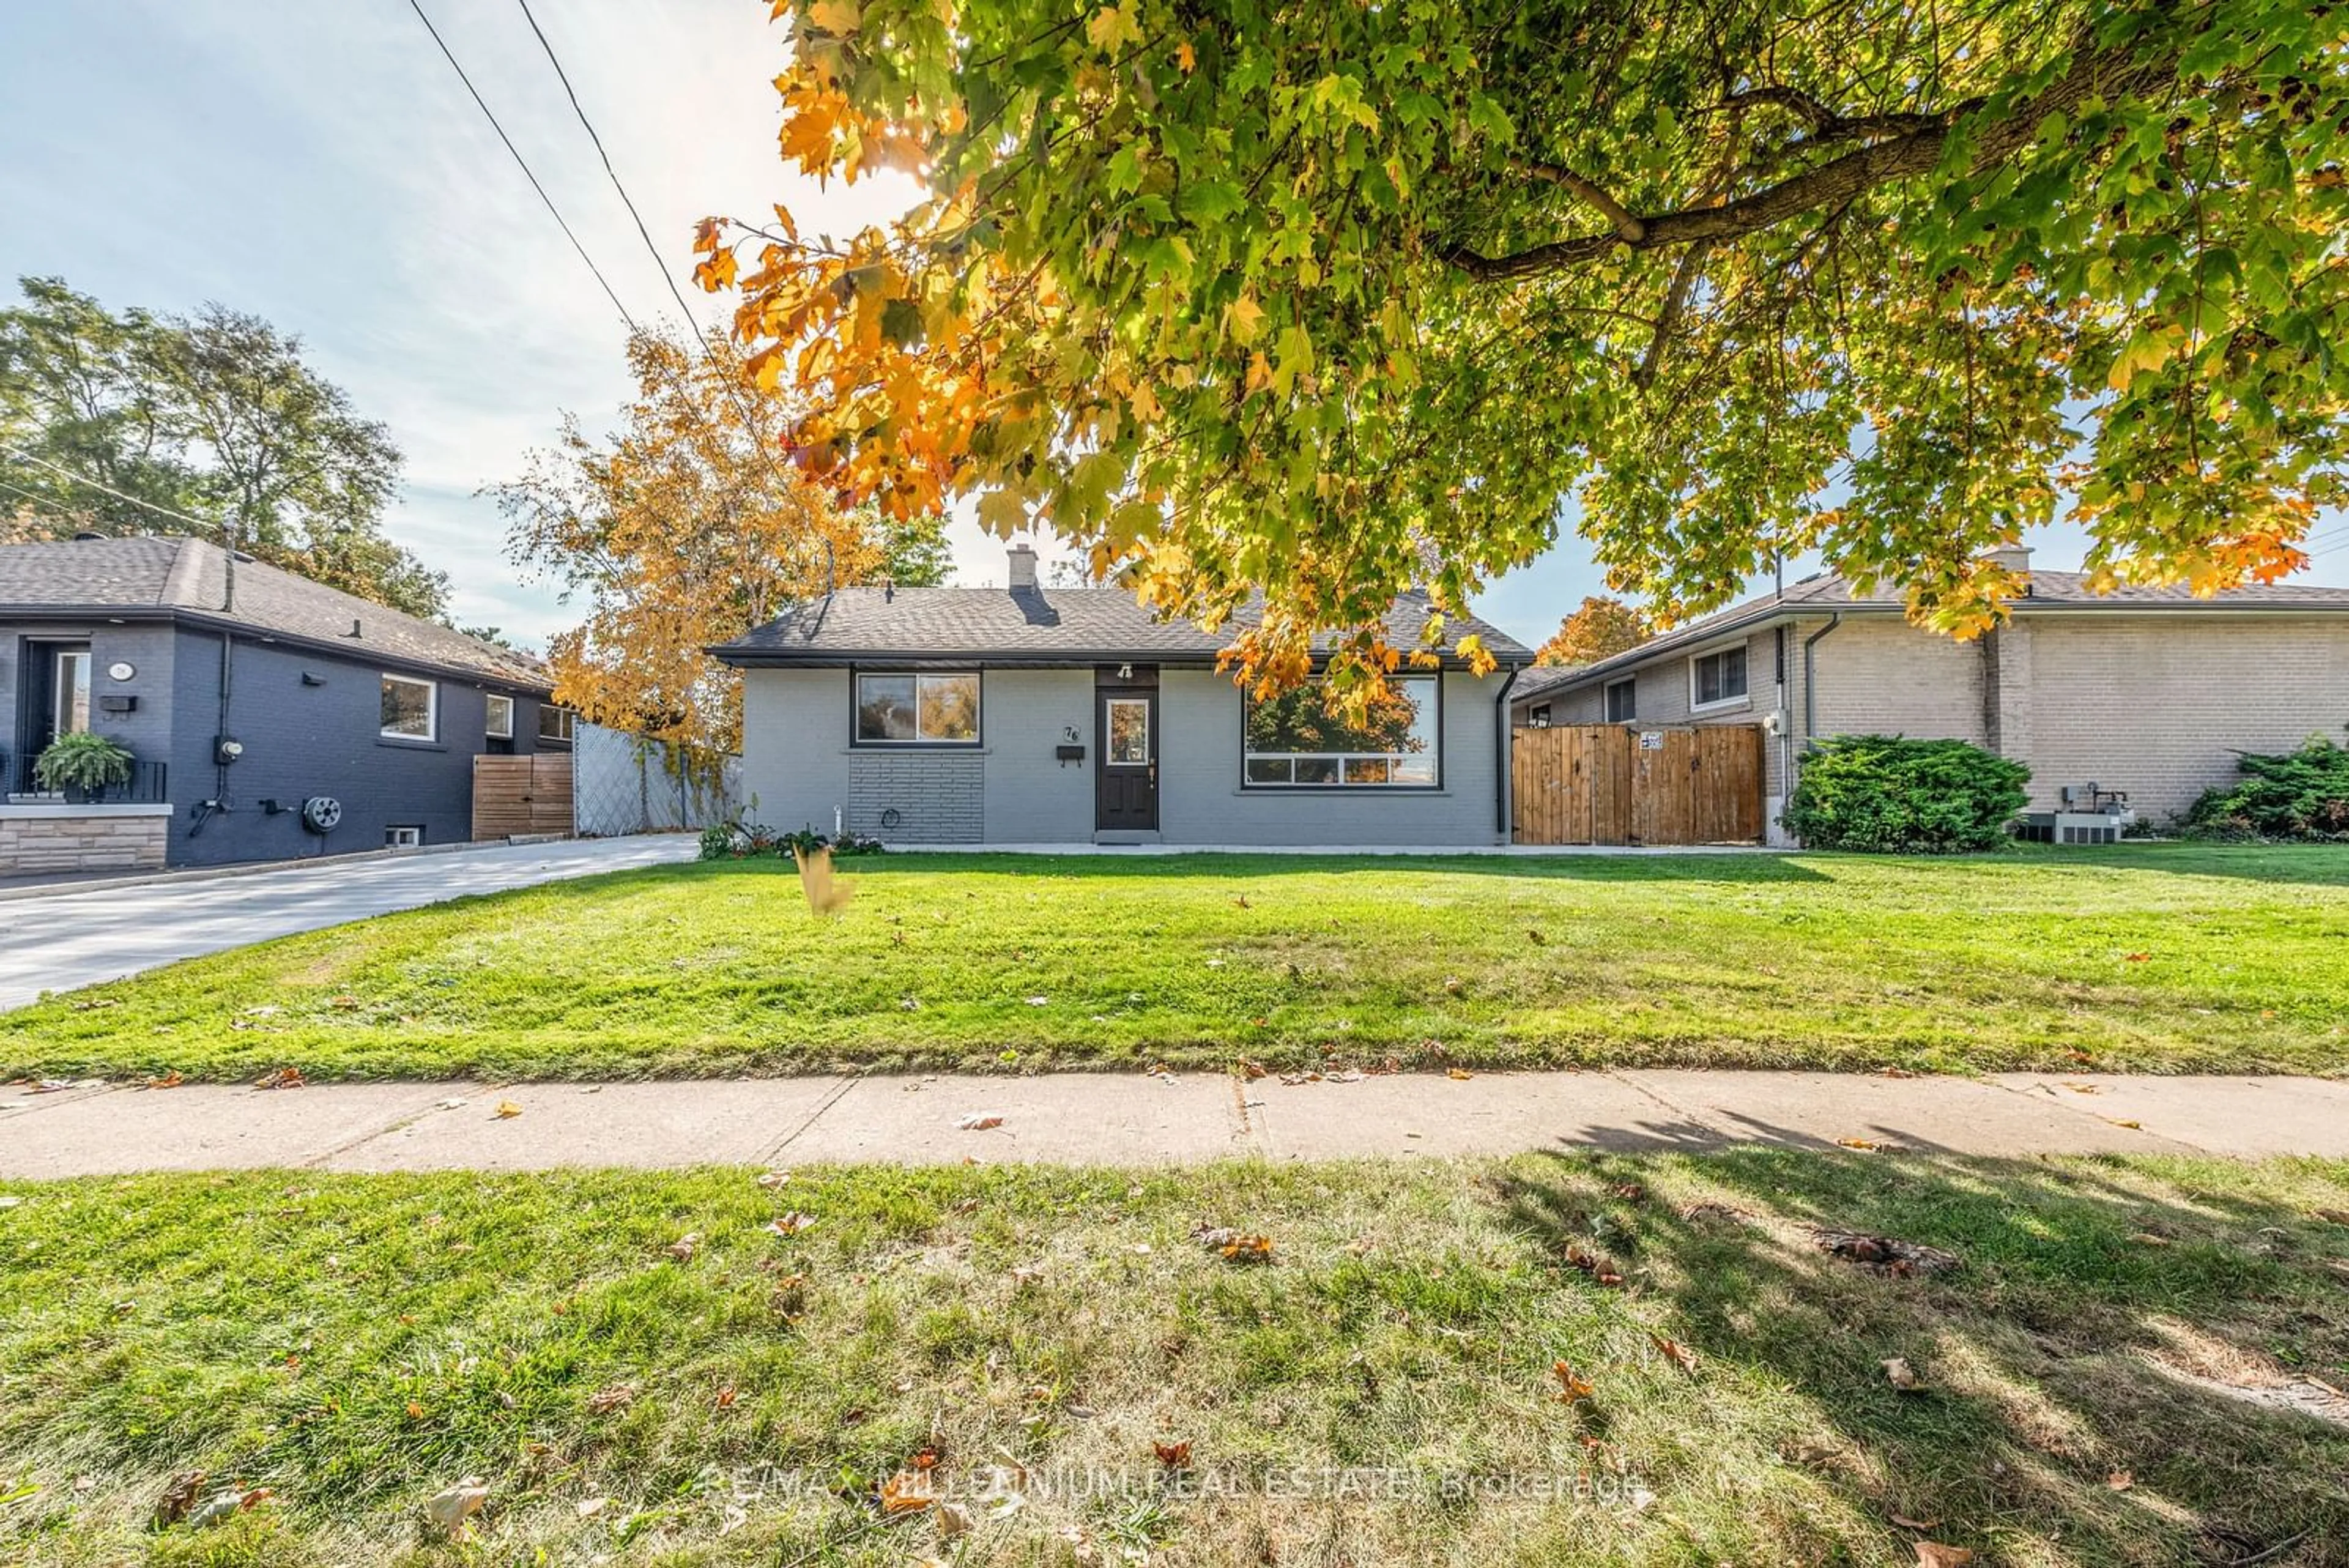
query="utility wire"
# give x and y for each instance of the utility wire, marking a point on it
(522, 163)
(212, 526)
(726, 379)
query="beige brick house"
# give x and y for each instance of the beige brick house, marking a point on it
(2147, 691)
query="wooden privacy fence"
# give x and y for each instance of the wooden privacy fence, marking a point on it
(514, 796)
(1608, 783)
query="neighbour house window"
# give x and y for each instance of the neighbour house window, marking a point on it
(555, 723)
(411, 708)
(1717, 677)
(1295, 740)
(1622, 701)
(918, 709)
(406, 837)
(501, 720)
(1539, 716)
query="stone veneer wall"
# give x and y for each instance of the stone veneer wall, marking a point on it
(37, 838)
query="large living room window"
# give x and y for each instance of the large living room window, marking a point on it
(411, 708)
(1717, 678)
(1295, 740)
(902, 709)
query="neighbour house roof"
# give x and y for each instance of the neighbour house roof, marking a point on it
(1032, 626)
(1826, 594)
(1543, 679)
(147, 578)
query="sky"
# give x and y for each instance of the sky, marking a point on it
(320, 165)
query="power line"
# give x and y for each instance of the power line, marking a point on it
(553, 210)
(726, 380)
(209, 528)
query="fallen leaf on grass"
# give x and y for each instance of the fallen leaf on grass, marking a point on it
(507, 1110)
(774, 1178)
(789, 1223)
(979, 1121)
(953, 1520)
(1174, 1456)
(2334, 1216)
(1901, 1375)
(907, 1492)
(589, 1508)
(2120, 1480)
(617, 1397)
(2148, 1239)
(725, 1400)
(222, 1505)
(281, 1078)
(1906, 1524)
(1874, 1146)
(1933, 1554)
(683, 1248)
(1571, 1387)
(1234, 1246)
(451, 1509)
(1885, 1254)
(1631, 1191)
(1676, 1351)
(178, 1496)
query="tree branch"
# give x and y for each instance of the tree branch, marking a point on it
(1627, 227)
(2105, 73)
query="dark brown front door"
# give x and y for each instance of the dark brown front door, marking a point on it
(1125, 703)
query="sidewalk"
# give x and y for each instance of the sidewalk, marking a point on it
(1131, 1119)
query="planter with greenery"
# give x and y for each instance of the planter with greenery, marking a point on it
(83, 765)
(1893, 795)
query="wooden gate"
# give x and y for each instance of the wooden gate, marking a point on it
(1605, 783)
(516, 795)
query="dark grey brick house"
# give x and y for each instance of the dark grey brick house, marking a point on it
(1038, 715)
(244, 693)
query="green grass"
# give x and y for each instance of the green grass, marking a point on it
(2156, 958)
(2171, 958)
(356, 1343)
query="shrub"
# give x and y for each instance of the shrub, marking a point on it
(1890, 795)
(807, 840)
(2299, 795)
(733, 840)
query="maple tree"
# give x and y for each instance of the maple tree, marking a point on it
(681, 530)
(1323, 300)
(1600, 629)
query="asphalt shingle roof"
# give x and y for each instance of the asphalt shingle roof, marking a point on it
(191, 576)
(2048, 591)
(1040, 624)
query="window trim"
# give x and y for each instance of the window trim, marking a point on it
(431, 735)
(856, 740)
(1433, 786)
(414, 829)
(570, 724)
(1606, 700)
(1744, 698)
(489, 723)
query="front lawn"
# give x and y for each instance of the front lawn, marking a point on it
(2128, 1366)
(2157, 958)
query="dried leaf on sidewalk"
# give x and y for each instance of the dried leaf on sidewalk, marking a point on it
(281, 1078)
(507, 1110)
(979, 1121)
(170, 1080)
(1458, 1075)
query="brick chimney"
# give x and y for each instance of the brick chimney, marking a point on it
(1023, 568)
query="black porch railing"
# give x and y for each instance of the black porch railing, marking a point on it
(145, 786)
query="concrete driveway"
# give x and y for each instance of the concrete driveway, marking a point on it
(63, 940)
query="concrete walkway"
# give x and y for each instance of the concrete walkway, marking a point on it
(1139, 1120)
(79, 935)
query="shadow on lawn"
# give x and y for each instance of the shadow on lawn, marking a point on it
(2043, 1355)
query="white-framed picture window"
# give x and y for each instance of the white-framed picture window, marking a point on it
(500, 726)
(905, 708)
(1297, 740)
(1717, 678)
(411, 708)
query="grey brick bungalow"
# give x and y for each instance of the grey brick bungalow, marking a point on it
(2151, 692)
(1039, 715)
(243, 691)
